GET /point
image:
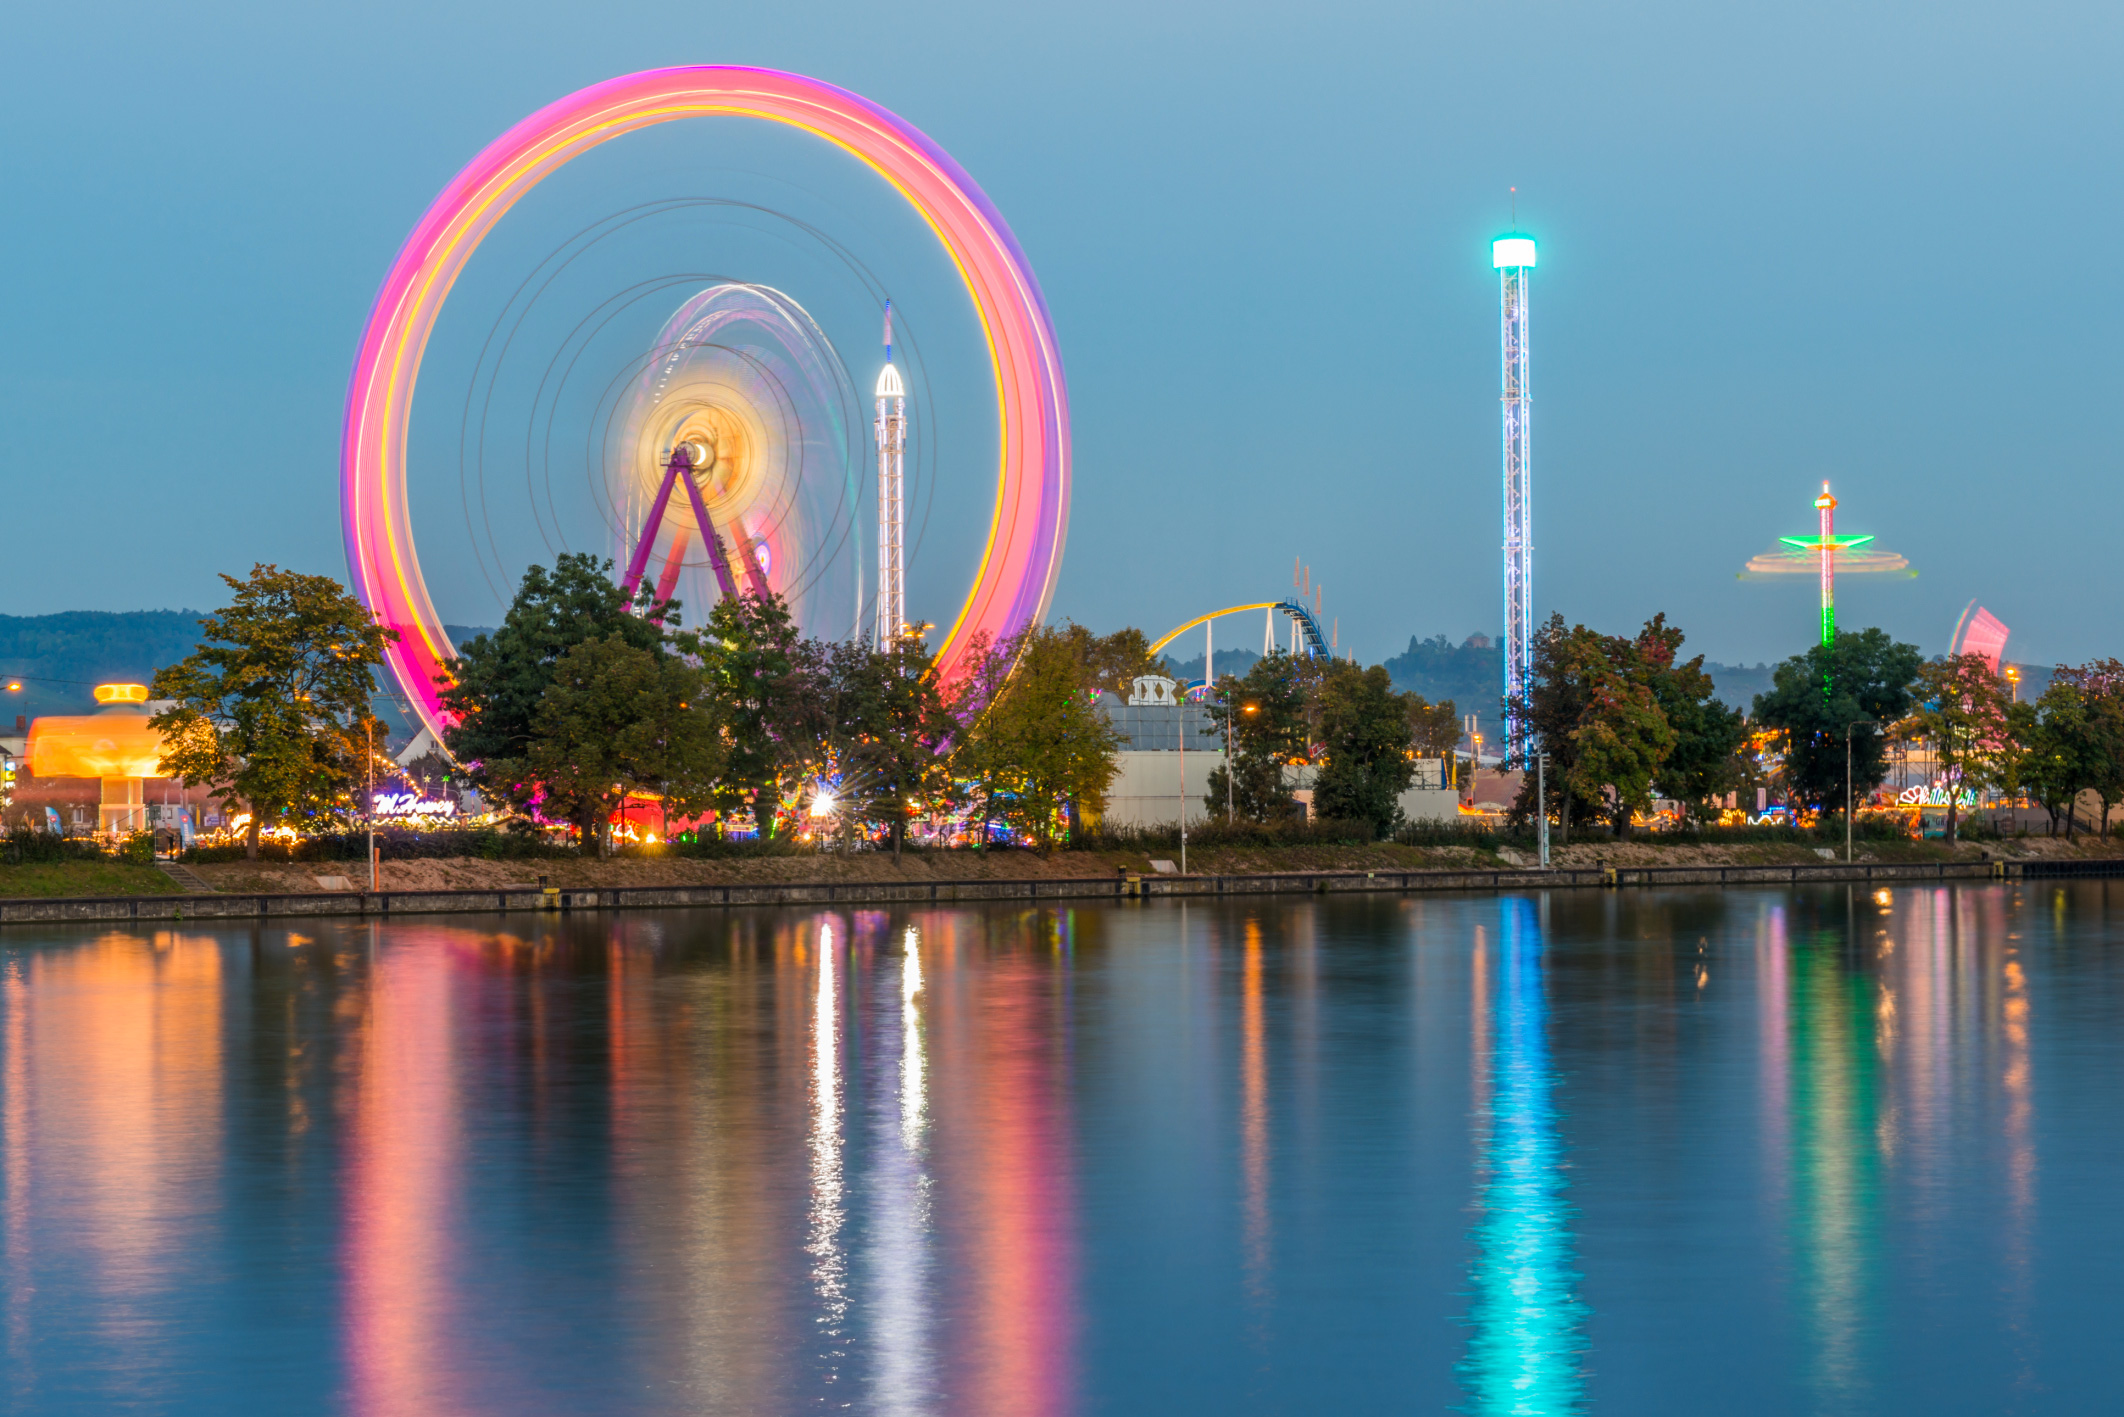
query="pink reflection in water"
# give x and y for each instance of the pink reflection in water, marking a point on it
(402, 1192)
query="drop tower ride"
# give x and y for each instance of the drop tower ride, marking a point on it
(891, 430)
(1513, 256)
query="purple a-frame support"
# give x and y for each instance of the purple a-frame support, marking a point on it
(679, 469)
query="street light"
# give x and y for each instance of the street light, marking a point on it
(1230, 765)
(1541, 804)
(1847, 782)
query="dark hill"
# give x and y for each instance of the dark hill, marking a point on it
(60, 658)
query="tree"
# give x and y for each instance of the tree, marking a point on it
(1619, 743)
(272, 709)
(1963, 713)
(1032, 739)
(1364, 727)
(497, 682)
(892, 728)
(1814, 699)
(1704, 761)
(2100, 683)
(1263, 715)
(1111, 662)
(1434, 729)
(1571, 665)
(2062, 755)
(677, 745)
(777, 702)
(615, 719)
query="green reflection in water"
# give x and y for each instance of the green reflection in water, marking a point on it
(1835, 1164)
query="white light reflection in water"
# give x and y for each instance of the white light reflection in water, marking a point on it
(900, 1250)
(1527, 1321)
(829, 1267)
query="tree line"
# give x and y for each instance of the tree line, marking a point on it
(1625, 720)
(585, 696)
(1360, 736)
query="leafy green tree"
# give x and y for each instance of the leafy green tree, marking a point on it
(1962, 712)
(1572, 666)
(776, 696)
(1705, 759)
(1814, 700)
(1263, 714)
(1364, 728)
(272, 709)
(1032, 740)
(1434, 729)
(616, 719)
(497, 682)
(1619, 743)
(2063, 752)
(2100, 683)
(1111, 662)
(892, 729)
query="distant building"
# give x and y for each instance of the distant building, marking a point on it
(1148, 790)
(97, 772)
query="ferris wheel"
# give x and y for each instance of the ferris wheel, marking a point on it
(734, 455)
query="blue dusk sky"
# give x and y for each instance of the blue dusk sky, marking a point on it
(1779, 243)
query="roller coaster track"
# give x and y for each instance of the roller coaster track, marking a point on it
(1315, 641)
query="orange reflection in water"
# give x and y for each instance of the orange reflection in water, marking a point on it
(1253, 1116)
(111, 1130)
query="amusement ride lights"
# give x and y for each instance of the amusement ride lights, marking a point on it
(1023, 554)
(1513, 256)
(1824, 555)
(746, 380)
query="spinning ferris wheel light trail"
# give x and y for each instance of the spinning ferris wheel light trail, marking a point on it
(1018, 564)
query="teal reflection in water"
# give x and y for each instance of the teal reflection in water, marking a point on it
(1526, 1318)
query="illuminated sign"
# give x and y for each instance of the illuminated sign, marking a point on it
(1933, 796)
(407, 804)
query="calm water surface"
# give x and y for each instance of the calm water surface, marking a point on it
(1636, 1152)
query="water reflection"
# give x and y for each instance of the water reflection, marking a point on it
(1527, 1321)
(1253, 1121)
(900, 1257)
(404, 1193)
(1840, 1019)
(829, 1270)
(112, 1117)
(1821, 1147)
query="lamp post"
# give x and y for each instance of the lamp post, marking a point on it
(1541, 804)
(1847, 782)
(1180, 731)
(368, 734)
(1231, 765)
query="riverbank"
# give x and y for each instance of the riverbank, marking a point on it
(90, 879)
(924, 867)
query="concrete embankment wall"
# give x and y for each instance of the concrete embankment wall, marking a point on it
(389, 904)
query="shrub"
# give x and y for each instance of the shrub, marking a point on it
(395, 844)
(23, 847)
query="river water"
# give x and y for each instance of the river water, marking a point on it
(1752, 1151)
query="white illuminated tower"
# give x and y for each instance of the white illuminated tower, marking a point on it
(1513, 256)
(891, 431)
